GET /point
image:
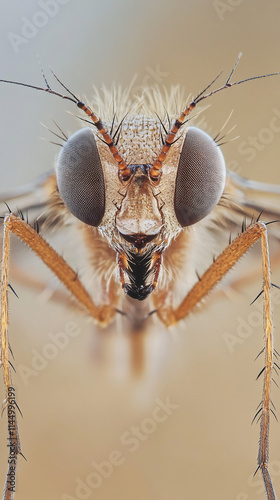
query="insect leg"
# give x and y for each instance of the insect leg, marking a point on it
(9, 403)
(263, 454)
(208, 280)
(102, 314)
(224, 262)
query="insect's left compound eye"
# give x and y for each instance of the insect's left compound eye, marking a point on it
(80, 178)
(200, 177)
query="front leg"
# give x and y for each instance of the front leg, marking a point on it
(226, 260)
(102, 314)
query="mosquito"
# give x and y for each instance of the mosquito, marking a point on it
(138, 189)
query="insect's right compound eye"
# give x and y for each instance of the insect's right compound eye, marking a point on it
(80, 178)
(201, 176)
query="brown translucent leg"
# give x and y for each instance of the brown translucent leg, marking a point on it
(209, 279)
(101, 314)
(9, 402)
(263, 454)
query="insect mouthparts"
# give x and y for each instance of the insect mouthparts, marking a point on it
(137, 268)
(138, 292)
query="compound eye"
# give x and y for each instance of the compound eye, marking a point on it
(80, 178)
(200, 177)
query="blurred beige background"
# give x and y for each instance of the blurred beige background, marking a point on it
(79, 404)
